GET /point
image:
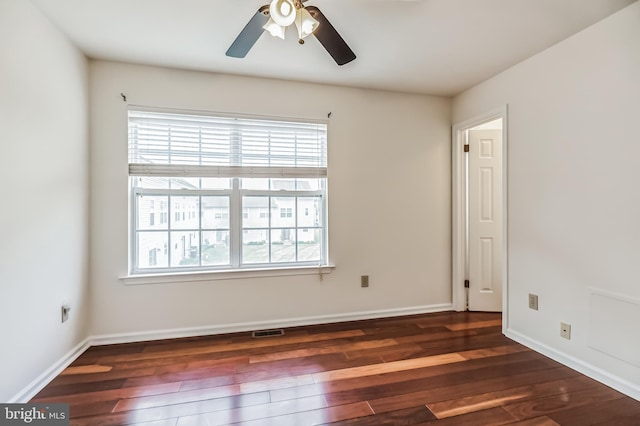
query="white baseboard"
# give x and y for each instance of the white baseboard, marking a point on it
(41, 381)
(46, 377)
(615, 382)
(109, 339)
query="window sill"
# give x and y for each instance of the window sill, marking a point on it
(178, 277)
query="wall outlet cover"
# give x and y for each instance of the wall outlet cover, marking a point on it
(565, 330)
(364, 281)
(65, 312)
(533, 301)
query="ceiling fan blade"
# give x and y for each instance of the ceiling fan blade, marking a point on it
(330, 39)
(249, 34)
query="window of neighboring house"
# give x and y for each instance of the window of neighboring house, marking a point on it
(233, 192)
(286, 212)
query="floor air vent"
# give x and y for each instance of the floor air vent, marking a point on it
(267, 333)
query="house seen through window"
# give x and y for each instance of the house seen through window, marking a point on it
(215, 192)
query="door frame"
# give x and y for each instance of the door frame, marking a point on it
(459, 207)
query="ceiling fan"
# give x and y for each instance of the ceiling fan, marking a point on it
(278, 15)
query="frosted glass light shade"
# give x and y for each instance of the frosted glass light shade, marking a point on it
(274, 29)
(283, 12)
(305, 22)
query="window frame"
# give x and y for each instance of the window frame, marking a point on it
(236, 219)
(236, 227)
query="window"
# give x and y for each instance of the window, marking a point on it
(286, 212)
(227, 192)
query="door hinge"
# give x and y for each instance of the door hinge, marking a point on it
(466, 283)
(466, 148)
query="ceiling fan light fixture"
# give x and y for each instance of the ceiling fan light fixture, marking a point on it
(274, 29)
(283, 12)
(305, 23)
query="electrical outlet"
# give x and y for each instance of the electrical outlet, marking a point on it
(364, 281)
(565, 330)
(533, 301)
(65, 312)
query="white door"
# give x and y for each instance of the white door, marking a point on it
(485, 220)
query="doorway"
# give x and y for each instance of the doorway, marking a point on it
(479, 206)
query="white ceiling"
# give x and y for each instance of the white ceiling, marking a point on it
(438, 47)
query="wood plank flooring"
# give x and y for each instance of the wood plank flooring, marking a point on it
(436, 369)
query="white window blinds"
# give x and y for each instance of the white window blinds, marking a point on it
(192, 145)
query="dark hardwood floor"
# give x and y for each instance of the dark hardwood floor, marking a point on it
(436, 369)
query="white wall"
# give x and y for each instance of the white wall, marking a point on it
(43, 196)
(389, 175)
(574, 205)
